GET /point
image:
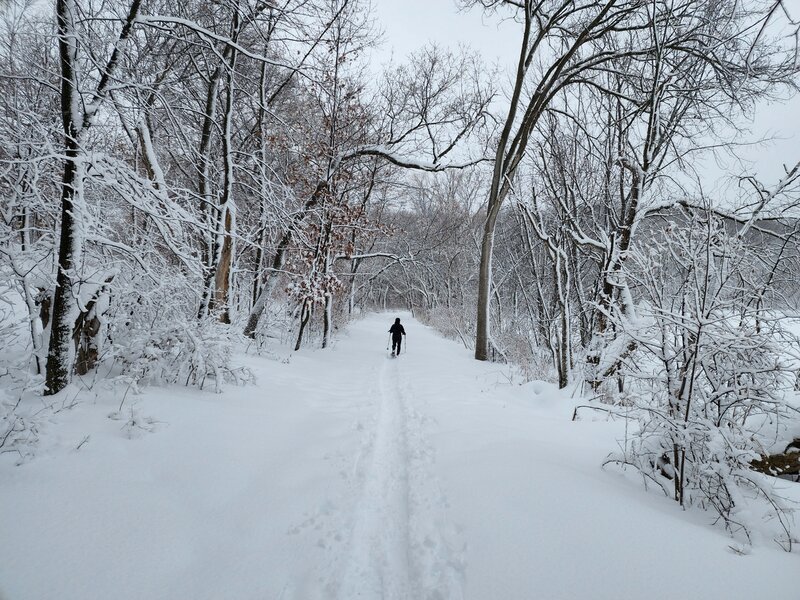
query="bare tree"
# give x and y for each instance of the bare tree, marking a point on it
(564, 45)
(553, 36)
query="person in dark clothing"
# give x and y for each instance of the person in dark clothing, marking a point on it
(397, 332)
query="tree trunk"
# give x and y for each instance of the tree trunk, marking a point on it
(70, 250)
(327, 321)
(258, 262)
(565, 350)
(204, 185)
(263, 191)
(305, 314)
(227, 206)
(484, 287)
(70, 254)
(222, 277)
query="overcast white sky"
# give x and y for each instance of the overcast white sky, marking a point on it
(410, 24)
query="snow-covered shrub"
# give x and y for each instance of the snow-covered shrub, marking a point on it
(710, 373)
(10, 329)
(158, 343)
(171, 354)
(22, 415)
(18, 429)
(450, 322)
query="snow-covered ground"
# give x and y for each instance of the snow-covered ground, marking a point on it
(347, 474)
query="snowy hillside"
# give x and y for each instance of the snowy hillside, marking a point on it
(343, 473)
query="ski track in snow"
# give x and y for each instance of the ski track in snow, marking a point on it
(378, 561)
(398, 546)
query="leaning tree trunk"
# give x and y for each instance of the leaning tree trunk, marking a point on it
(279, 259)
(305, 315)
(88, 331)
(612, 282)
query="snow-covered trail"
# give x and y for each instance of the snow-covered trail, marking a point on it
(397, 547)
(345, 474)
(377, 559)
